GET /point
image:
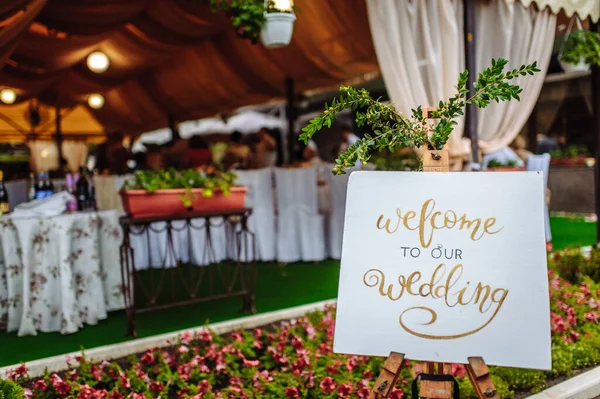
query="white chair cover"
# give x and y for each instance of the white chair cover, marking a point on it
(541, 163)
(300, 228)
(17, 192)
(338, 187)
(262, 221)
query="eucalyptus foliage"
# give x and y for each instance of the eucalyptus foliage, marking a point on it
(391, 130)
(583, 45)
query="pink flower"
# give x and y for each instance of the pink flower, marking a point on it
(574, 336)
(257, 344)
(19, 372)
(136, 395)
(205, 336)
(592, 303)
(327, 385)
(40, 385)
(183, 349)
(148, 358)
(96, 372)
(204, 387)
(344, 390)
(257, 333)
(27, 393)
(156, 386)
(237, 337)
(116, 395)
(62, 388)
(186, 338)
(101, 394)
(592, 316)
(351, 363)
(363, 393)
(292, 392)
(396, 394)
(368, 374)
(458, 370)
(251, 363)
(85, 392)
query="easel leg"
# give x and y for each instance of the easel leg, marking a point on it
(479, 374)
(388, 377)
(436, 389)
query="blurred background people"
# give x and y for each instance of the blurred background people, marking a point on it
(197, 154)
(264, 150)
(238, 154)
(112, 156)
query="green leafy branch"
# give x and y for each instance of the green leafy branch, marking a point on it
(391, 130)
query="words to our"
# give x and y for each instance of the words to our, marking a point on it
(483, 296)
(431, 219)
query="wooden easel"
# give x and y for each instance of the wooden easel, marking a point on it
(479, 374)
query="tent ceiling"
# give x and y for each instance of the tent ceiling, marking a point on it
(173, 57)
(76, 123)
(583, 8)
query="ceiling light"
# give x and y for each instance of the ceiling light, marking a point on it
(96, 101)
(8, 96)
(98, 62)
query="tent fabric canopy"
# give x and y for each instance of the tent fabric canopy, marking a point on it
(583, 8)
(172, 57)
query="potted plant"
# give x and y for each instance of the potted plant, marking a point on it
(271, 21)
(510, 166)
(580, 50)
(391, 130)
(279, 24)
(169, 192)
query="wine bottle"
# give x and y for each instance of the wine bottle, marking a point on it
(4, 207)
(83, 190)
(40, 192)
(32, 187)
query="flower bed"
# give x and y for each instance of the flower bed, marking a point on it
(294, 359)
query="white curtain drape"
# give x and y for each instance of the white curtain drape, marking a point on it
(75, 152)
(420, 49)
(521, 35)
(43, 155)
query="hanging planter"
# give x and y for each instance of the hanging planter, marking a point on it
(579, 50)
(270, 20)
(278, 28)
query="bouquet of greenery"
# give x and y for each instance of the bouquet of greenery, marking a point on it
(392, 130)
(582, 45)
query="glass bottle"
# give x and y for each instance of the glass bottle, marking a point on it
(32, 187)
(83, 190)
(4, 207)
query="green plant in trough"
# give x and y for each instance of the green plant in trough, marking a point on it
(392, 130)
(583, 45)
(11, 390)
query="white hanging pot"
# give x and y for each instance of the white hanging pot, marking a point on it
(569, 68)
(278, 29)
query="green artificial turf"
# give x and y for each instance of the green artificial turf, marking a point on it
(278, 287)
(572, 232)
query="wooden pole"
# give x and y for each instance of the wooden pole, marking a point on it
(471, 65)
(532, 132)
(290, 113)
(59, 136)
(596, 104)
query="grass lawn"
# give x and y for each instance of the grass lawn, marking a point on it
(277, 288)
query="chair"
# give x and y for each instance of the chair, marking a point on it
(541, 163)
(300, 228)
(17, 192)
(262, 221)
(338, 187)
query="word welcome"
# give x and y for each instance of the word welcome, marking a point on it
(480, 295)
(429, 220)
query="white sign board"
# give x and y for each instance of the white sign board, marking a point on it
(444, 266)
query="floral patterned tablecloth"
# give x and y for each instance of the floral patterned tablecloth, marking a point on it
(59, 273)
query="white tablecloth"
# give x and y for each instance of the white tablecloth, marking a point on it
(59, 273)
